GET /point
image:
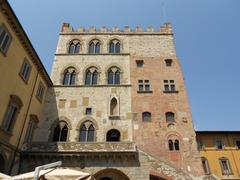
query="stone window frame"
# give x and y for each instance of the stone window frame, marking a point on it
(87, 124)
(40, 92)
(32, 126)
(169, 86)
(72, 70)
(7, 33)
(83, 120)
(227, 171)
(149, 114)
(88, 111)
(15, 102)
(63, 70)
(114, 69)
(168, 62)
(217, 146)
(144, 83)
(174, 144)
(92, 69)
(114, 65)
(55, 123)
(139, 63)
(170, 119)
(74, 42)
(174, 136)
(22, 73)
(115, 41)
(205, 165)
(113, 129)
(95, 41)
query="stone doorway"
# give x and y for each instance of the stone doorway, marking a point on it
(110, 174)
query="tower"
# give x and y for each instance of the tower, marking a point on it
(118, 107)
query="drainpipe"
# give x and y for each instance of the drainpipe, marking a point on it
(234, 160)
(24, 123)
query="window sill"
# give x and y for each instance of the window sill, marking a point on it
(114, 117)
(170, 92)
(144, 91)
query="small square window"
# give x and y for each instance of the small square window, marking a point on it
(219, 144)
(88, 111)
(238, 144)
(168, 62)
(144, 86)
(169, 86)
(139, 63)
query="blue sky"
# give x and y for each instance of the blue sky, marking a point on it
(206, 36)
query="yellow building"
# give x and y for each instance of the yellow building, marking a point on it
(220, 152)
(23, 86)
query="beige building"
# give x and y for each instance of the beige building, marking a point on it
(24, 83)
(118, 108)
(220, 153)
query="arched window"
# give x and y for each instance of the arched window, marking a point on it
(114, 107)
(2, 164)
(60, 132)
(146, 116)
(11, 113)
(173, 145)
(69, 76)
(94, 47)
(176, 145)
(169, 116)
(114, 76)
(114, 46)
(87, 132)
(91, 76)
(113, 135)
(170, 145)
(74, 47)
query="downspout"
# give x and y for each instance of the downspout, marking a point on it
(234, 160)
(24, 123)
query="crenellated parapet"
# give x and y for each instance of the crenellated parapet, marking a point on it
(165, 29)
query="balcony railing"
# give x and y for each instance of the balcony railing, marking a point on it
(79, 147)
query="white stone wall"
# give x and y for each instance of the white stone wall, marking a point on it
(82, 62)
(148, 44)
(99, 101)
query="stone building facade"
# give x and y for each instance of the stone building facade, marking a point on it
(118, 107)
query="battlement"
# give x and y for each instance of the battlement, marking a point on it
(165, 29)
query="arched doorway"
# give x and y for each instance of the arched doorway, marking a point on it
(110, 174)
(113, 135)
(2, 164)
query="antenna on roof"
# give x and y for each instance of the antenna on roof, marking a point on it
(163, 10)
